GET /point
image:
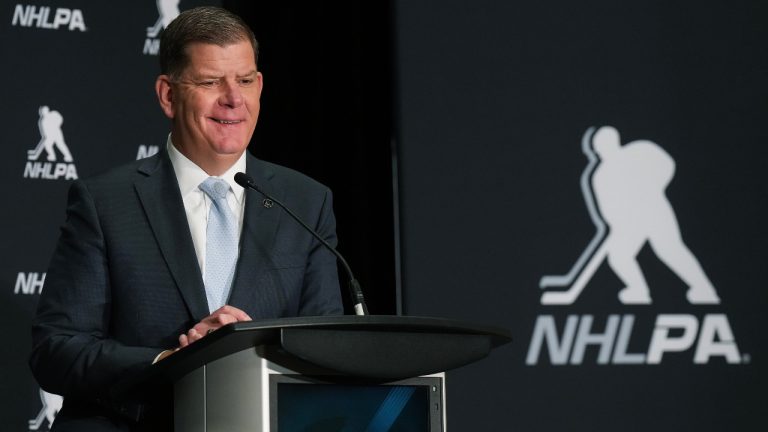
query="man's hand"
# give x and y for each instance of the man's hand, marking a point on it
(222, 316)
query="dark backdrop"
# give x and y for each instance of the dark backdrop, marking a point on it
(491, 101)
(494, 98)
(327, 112)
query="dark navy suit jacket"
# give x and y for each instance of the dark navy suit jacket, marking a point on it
(124, 282)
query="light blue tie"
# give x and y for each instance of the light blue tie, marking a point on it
(220, 244)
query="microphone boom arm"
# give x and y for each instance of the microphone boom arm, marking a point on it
(354, 286)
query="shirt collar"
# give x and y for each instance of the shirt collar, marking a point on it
(189, 175)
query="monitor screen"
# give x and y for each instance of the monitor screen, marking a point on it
(299, 405)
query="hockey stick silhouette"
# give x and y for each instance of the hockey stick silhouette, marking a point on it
(576, 279)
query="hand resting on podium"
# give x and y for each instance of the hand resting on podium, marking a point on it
(220, 317)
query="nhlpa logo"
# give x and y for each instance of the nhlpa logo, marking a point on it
(40, 17)
(51, 139)
(146, 151)
(167, 10)
(51, 406)
(30, 283)
(624, 189)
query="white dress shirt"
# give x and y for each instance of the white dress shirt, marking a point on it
(197, 203)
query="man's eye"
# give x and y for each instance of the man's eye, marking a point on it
(246, 81)
(208, 83)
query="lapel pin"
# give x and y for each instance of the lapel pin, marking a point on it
(268, 203)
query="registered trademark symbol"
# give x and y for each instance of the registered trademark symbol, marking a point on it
(746, 358)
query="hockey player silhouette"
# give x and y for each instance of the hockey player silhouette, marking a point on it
(51, 406)
(627, 200)
(167, 11)
(51, 136)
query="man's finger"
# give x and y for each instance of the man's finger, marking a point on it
(183, 341)
(231, 310)
(203, 327)
(225, 319)
(194, 335)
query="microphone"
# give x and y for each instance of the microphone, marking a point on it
(358, 300)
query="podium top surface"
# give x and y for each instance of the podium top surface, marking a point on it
(373, 323)
(349, 344)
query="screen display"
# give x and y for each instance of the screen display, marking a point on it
(313, 407)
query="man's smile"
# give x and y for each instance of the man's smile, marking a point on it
(224, 121)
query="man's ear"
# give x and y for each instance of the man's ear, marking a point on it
(260, 82)
(164, 92)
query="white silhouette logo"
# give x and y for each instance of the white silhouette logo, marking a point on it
(167, 11)
(50, 135)
(624, 189)
(51, 406)
(51, 139)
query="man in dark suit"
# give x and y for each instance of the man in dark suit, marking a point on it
(131, 279)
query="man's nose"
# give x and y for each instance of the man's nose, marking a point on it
(231, 95)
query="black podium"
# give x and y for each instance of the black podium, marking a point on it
(272, 375)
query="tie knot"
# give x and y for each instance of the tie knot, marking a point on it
(215, 188)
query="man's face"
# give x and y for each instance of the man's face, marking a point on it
(214, 104)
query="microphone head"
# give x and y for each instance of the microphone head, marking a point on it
(244, 180)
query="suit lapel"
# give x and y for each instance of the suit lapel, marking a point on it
(250, 290)
(159, 194)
